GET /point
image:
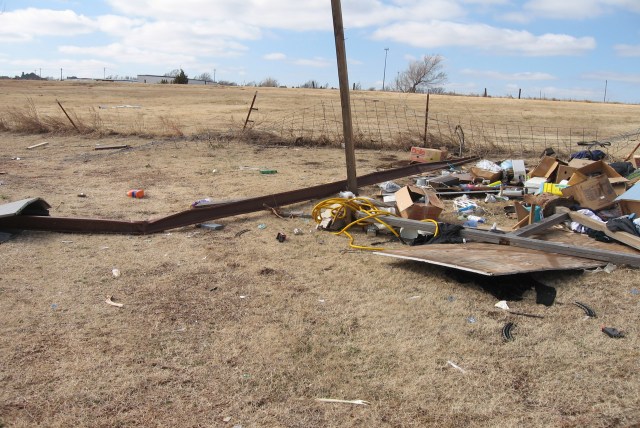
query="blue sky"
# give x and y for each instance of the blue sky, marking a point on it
(563, 49)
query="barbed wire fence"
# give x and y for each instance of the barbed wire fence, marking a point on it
(378, 124)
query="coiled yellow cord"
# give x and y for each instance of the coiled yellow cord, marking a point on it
(340, 207)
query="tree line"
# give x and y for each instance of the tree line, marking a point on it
(425, 74)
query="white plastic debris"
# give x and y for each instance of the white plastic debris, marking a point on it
(502, 304)
(116, 273)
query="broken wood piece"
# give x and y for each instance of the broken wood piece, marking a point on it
(121, 146)
(37, 145)
(521, 223)
(335, 400)
(109, 301)
(624, 237)
(632, 152)
(541, 226)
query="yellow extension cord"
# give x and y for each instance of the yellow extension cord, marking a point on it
(339, 208)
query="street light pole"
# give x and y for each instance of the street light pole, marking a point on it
(384, 73)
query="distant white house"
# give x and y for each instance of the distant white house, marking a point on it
(151, 78)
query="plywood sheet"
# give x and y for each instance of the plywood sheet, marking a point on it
(491, 259)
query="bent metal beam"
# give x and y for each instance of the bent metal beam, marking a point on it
(193, 216)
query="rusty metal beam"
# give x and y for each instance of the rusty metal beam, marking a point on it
(193, 216)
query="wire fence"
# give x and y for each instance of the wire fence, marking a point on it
(378, 124)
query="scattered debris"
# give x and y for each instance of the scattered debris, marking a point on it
(136, 193)
(211, 226)
(503, 305)
(38, 145)
(109, 301)
(612, 332)
(587, 310)
(268, 171)
(335, 400)
(455, 366)
(241, 232)
(82, 195)
(297, 231)
(118, 147)
(506, 331)
(116, 273)
(281, 237)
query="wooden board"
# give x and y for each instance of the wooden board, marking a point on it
(491, 259)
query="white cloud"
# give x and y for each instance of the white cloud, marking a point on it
(314, 62)
(522, 76)
(25, 24)
(275, 56)
(613, 76)
(578, 9)
(289, 14)
(129, 54)
(516, 17)
(627, 50)
(480, 36)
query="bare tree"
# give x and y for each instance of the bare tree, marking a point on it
(173, 73)
(422, 75)
(204, 76)
(269, 82)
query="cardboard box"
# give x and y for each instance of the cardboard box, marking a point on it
(485, 174)
(636, 161)
(596, 168)
(424, 155)
(546, 168)
(564, 173)
(579, 163)
(594, 193)
(629, 201)
(408, 205)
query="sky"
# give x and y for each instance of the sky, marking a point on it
(564, 49)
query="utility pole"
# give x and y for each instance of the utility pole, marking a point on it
(384, 73)
(343, 77)
(605, 92)
(104, 73)
(214, 75)
(41, 73)
(61, 74)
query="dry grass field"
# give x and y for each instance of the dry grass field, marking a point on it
(233, 328)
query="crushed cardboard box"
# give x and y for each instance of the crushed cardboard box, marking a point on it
(595, 193)
(410, 203)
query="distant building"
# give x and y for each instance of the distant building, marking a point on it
(151, 78)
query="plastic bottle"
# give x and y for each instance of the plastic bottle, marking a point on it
(136, 193)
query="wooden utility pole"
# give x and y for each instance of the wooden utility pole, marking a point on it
(343, 77)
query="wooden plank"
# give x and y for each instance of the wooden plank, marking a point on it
(540, 226)
(624, 237)
(552, 247)
(37, 145)
(478, 235)
(490, 259)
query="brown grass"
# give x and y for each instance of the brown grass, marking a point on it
(233, 324)
(306, 116)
